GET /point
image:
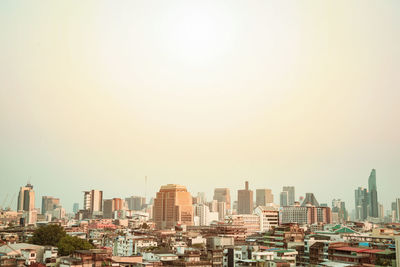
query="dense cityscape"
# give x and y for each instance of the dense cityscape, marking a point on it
(176, 228)
(199, 133)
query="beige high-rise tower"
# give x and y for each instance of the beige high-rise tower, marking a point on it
(172, 206)
(223, 195)
(264, 196)
(26, 198)
(245, 200)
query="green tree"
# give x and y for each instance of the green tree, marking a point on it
(48, 235)
(69, 244)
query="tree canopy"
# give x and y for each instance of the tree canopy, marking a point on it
(69, 244)
(48, 235)
(54, 235)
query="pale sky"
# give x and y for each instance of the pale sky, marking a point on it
(100, 94)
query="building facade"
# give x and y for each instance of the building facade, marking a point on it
(26, 198)
(245, 200)
(291, 194)
(223, 195)
(263, 197)
(172, 206)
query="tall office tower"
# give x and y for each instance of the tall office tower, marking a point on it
(93, 201)
(398, 208)
(49, 204)
(87, 200)
(221, 211)
(394, 211)
(245, 200)
(223, 195)
(201, 196)
(291, 194)
(26, 198)
(111, 205)
(373, 195)
(361, 203)
(339, 207)
(263, 197)
(75, 207)
(136, 203)
(212, 205)
(284, 199)
(310, 200)
(202, 211)
(172, 206)
(381, 210)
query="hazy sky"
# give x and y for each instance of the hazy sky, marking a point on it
(99, 94)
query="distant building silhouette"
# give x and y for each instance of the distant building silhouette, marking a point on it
(284, 198)
(291, 194)
(373, 195)
(245, 200)
(223, 195)
(263, 197)
(26, 198)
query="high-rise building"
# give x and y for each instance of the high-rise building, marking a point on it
(245, 200)
(291, 194)
(398, 208)
(223, 195)
(373, 195)
(93, 201)
(263, 197)
(361, 203)
(306, 214)
(284, 199)
(26, 198)
(49, 204)
(201, 197)
(111, 205)
(136, 203)
(202, 211)
(269, 217)
(339, 208)
(172, 206)
(75, 207)
(381, 210)
(221, 211)
(213, 205)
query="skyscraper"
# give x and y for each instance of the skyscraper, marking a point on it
(398, 208)
(49, 204)
(373, 195)
(75, 207)
(111, 205)
(339, 207)
(223, 195)
(291, 194)
(26, 198)
(361, 203)
(135, 202)
(245, 200)
(284, 199)
(172, 206)
(263, 197)
(93, 201)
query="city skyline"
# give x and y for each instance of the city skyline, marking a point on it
(202, 95)
(231, 192)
